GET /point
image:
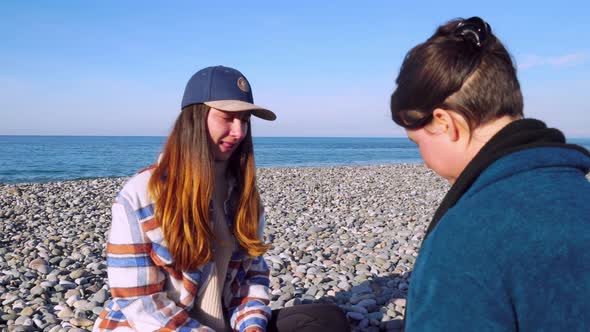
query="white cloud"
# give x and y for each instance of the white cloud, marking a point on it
(572, 59)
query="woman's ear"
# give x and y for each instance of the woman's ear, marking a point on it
(443, 123)
(450, 123)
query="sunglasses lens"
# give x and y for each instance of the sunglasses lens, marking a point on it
(412, 119)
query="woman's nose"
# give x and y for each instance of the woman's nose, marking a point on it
(237, 128)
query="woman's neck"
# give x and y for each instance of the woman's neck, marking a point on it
(220, 169)
(484, 133)
(220, 181)
(475, 141)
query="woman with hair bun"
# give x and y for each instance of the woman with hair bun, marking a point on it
(508, 248)
(185, 247)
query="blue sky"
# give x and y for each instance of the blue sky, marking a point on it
(326, 69)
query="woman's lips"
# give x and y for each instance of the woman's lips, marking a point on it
(227, 145)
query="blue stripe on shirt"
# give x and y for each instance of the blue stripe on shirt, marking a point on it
(252, 321)
(145, 212)
(118, 315)
(264, 281)
(129, 261)
(255, 303)
(162, 251)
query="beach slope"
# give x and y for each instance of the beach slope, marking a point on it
(343, 235)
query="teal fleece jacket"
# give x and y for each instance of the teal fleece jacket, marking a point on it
(513, 253)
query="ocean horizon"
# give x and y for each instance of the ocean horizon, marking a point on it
(32, 158)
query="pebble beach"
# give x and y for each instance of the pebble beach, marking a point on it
(342, 235)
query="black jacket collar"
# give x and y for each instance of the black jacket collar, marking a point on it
(516, 136)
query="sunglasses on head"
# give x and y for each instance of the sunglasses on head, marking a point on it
(412, 119)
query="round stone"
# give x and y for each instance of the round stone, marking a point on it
(39, 265)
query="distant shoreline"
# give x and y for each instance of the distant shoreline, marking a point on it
(263, 169)
(52, 158)
(568, 137)
(41, 159)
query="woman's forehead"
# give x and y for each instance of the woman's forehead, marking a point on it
(232, 113)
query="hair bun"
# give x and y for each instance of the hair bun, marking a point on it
(474, 29)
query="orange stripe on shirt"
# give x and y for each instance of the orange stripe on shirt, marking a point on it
(176, 274)
(236, 301)
(112, 324)
(190, 286)
(150, 225)
(108, 324)
(161, 304)
(177, 320)
(138, 291)
(173, 272)
(251, 312)
(124, 249)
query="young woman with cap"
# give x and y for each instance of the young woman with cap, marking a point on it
(185, 247)
(508, 248)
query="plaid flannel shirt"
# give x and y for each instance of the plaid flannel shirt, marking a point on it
(149, 294)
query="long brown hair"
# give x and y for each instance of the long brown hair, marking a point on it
(450, 71)
(182, 184)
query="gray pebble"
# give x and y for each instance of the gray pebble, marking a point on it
(355, 315)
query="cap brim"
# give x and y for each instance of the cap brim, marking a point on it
(240, 106)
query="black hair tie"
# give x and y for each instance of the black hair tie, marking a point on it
(475, 30)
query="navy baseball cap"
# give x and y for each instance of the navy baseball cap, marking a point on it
(225, 89)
